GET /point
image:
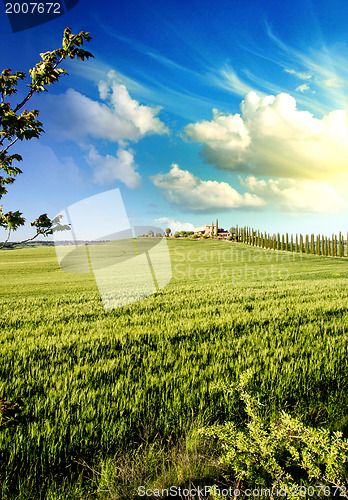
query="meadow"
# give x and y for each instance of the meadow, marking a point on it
(94, 387)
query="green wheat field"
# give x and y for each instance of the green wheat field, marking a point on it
(97, 389)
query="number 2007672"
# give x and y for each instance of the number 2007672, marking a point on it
(33, 8)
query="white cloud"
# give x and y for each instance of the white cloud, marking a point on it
(299, 74)
(74, 116)
(231, 81)
(332, 82)
(302, 88)
(173, 224)
(296, 196)
(108, 169)
(183, 188)
(273, 138)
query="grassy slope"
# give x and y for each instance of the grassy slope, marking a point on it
(95, 382)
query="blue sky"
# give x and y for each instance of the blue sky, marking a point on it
(194, 110)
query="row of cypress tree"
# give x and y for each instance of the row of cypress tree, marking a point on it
(309, 244)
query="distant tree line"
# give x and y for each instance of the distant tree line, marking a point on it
(309, 244)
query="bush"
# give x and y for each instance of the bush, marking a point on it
(176, 234)
(283, 453)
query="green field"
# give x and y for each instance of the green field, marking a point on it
(96, 385)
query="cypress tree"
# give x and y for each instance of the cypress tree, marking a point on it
(322, 245)
(317, 245)
(312, 244)
(340, 246)
(296, 244)
(217, 228)
(333, 253)
(282, 243)
(301, 243)
(307, 244)
(292, 243)
(326, 247)
(287, 242)
(274, 242)
(278, 241)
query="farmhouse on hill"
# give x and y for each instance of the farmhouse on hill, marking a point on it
(210, 229)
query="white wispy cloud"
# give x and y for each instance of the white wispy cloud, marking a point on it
(228, 79)
(183, 188)
(302, 88)
(299, 74)
(332, 82)
(328, 67)
(271, 137)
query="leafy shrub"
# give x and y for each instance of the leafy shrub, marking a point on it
(282, 454)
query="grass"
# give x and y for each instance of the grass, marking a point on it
(97, 384)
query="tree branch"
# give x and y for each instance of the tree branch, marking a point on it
(7, 147)
(26, 99)
(25, 241)
(8, 237)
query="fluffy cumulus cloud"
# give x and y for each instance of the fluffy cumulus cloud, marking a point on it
(119, 118)
(183, 188)
(272, 138)
(292, 195)
(115, 117)
(108, 169)
(173, 224)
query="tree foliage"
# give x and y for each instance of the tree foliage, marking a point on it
(18, 124)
